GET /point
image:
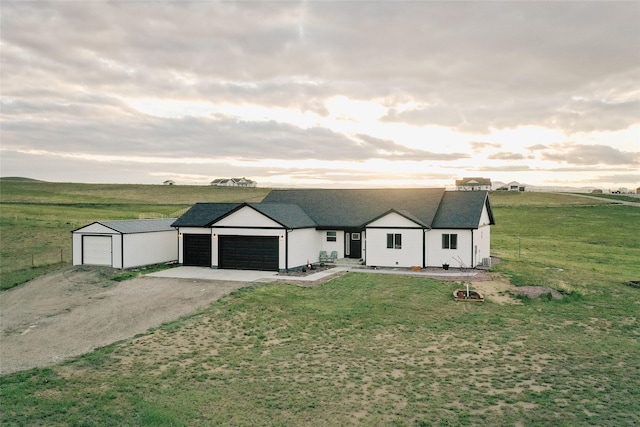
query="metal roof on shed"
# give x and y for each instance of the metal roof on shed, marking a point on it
(131, 226)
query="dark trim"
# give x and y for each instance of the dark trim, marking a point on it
(398, 228)
(424, 249)
(473, 265)
(246, 227)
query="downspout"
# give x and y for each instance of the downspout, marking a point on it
(122, 251)
(286, 250)
(473, 265)
(424, 247)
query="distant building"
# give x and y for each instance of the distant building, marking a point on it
(233, 182)
(596, 191)
(169, 182)
(512, 186)
(638, 190)
(473, 184)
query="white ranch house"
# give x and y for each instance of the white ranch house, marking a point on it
(384, 228)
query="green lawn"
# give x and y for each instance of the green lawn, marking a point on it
(37, 217)
(368, 349)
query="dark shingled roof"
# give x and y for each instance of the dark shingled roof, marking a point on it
(203, 214)
(353, 208)
(289, 215)
(462, 209)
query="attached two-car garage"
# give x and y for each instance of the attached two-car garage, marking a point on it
(234, 252)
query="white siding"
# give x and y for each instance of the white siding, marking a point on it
(393, 219)
(482, 244)
(150, 248)
(408, 256)
(246, 217)
(460, 257)
(303, 246)
(329, 247)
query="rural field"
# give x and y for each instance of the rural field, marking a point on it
(361, 349)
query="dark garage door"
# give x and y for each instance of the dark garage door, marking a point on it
(197, 250)
(249, 252)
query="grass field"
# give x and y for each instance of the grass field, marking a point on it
(367, 349)
(37, 217)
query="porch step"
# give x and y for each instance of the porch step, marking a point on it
(348, 262)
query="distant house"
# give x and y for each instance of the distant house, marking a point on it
(382, 227)
(638, 190)
(169, 182)
(512, 186)
(233, 182)
(473, 184)
(596, 191)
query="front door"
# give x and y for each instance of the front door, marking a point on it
(353, 245)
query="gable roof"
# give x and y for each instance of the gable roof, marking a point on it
(130, 226)
(203, 214)
(473, 181)
(288, 215)
(207, 214)
(353, 208)
(462, 209)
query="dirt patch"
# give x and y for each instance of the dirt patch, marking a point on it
(76, 310)
(497, 289)
(536, 291)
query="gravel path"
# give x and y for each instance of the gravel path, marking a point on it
(76, 310)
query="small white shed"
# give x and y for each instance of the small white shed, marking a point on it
(125, 244)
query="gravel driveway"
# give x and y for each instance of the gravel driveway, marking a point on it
(76, 310)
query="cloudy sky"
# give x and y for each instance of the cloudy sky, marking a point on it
(321, 94)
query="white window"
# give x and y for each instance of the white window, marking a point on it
(394, 241)
(449, 241)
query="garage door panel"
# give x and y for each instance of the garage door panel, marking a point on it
(96, 250)
(249, 252)
(197, 250)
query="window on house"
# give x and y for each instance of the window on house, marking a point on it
(331, 236)
(394, 241)
(449, 241)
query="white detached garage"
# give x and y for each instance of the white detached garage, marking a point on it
(125, 244)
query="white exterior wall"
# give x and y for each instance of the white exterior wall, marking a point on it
(482, 243)
(247, 217)
(149, 248)
(192, 230)
(436, 256)
(129, 250)
(408, 256)
(303, 246)
(96, 230)
(412, 242)
(329, 247)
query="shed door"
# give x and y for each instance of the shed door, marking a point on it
(249, 252)
(96, 250)
(197, 250)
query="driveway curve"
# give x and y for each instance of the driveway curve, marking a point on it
(76, 310)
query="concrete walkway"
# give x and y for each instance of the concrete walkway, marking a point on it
(203, 273)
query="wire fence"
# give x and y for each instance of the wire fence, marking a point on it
(40, 259)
